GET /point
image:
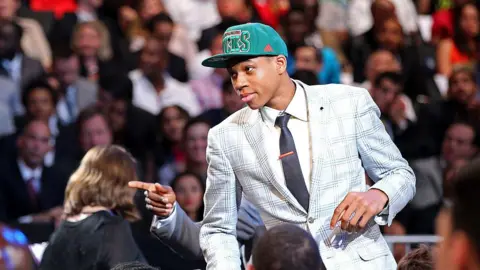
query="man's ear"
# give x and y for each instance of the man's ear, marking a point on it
(281, 64)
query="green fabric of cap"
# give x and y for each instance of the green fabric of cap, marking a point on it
(250, 39)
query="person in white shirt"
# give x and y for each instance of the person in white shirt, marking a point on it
(153, 88)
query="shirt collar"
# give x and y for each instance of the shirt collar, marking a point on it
(297, 108)
(27, 172)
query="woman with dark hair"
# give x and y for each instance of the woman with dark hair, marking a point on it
(189, 190)
(170, 157)
(95, 233)
(461, 49)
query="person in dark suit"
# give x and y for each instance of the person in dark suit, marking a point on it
(14, 64)
(132, 127)
(29, 191)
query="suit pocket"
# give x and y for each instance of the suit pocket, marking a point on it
(373, 251)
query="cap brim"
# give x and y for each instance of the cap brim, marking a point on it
(219, 60)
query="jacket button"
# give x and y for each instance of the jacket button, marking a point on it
(311, 220)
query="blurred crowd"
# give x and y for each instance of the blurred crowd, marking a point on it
(75, 74)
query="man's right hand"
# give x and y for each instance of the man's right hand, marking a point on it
(159, 198)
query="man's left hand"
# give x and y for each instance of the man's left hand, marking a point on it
(358, 208)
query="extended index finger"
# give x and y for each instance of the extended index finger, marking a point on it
(140, 185)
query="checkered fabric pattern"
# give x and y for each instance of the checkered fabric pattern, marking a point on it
(348, 139)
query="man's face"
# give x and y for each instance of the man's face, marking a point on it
(34, 144)
(390, 35)
(67, 70)
(149, 9)
(462, 88)
(306, 59)
(380, 62)
(40, 104)
(163, 31)
(88, 42)
(151, 57)
(196, 142)
(8, 8)
(118, 115)
(94, 132)
(8, 44)
(458, 143)
(230, 8)
(385, 94)
(256, 79)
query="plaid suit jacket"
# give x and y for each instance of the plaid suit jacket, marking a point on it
(348, 139)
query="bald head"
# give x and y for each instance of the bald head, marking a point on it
(379, 62)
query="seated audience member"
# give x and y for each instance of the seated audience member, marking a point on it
(195, 136)
(460, 49)
(231, 103)
(16, 66)
(418, 259)
(189, 190)
(442, 25)
(132, 127)
(153, 88)
(29, 191)
(95, 233)
(458, 226)
(40, 100)
(91, 42)
(286, 247)
(169, 153)
(75, 93)
(310, 59)
(14, 249)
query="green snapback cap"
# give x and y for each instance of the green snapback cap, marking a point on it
(250, 39)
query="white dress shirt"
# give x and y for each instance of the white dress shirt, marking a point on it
(298, 126)
(28, 173)
(145, 95)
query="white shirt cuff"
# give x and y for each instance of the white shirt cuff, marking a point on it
(382, 217)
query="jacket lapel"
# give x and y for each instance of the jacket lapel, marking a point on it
(318, 109)
(256, 138)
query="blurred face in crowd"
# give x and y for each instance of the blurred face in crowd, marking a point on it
(88, 41)
(94, 3)
(231, 101)
(67, 70)
(231, 8)
(173, 121)
(34, 143)
(8, 8)
(382, 10)
(196, 143)
(117, 114)
(462, 87)
(189, 192)
(8, 41)
(40, 104)
(379, 62)
(151, 57)
(385, 94)
(458, 143)
(95, 131)
(390, 35)
(163, 30)
(306, 59)
(469, 21)
(149, 8)
(296, 28)
(104, 100)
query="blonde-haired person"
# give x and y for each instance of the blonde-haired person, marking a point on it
(91, 42)
(98, 205)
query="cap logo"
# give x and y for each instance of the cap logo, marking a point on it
(268, 48)
(236, 41)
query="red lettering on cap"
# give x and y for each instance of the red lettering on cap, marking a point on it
(268, 48)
